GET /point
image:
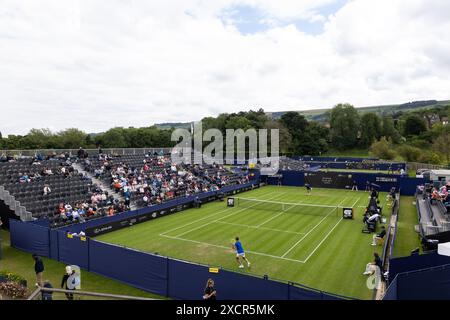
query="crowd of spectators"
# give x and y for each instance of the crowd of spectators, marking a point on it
(439, 194)
(99, 204)
(158, 179)
(62, 170)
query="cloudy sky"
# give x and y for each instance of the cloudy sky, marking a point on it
(94, 64)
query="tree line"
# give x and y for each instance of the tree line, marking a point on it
(401, 136)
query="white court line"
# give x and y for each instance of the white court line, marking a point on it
(320, 222)
(201, 219)
(206, 224)
(223, 217)
(270, 219)
(334, 227)
(323, 240)
(256, 227)
(353, 205)
(223, 247)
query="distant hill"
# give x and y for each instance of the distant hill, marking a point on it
(321, 115)
(176, 125)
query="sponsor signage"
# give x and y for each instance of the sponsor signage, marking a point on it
(329, 180)
(386, 179)
(127, 222)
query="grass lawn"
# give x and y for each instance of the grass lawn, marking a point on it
(310, 245)
(407, 238)
(355, 170)
(21, 263)
(356, 153)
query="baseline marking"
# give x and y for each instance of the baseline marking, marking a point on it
(223, 247)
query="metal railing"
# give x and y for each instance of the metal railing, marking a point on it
(416, 165)
(118, 151)
(37, 294)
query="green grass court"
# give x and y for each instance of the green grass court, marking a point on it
(308, 243)
(356, 170)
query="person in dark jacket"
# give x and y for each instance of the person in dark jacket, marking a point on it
(209, 292)
(38, 269)
(47, 295)
(376, 263)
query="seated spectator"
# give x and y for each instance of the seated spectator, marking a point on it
(75, 215)
(69, 214)
(46, 171)
(376, 263)
(47, 190)
(24, 178)
(443, 192)
(378, 238)
(435, 196)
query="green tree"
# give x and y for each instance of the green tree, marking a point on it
(314, 141)
(414, 125)
(389, 131)
(257, 118)
(382, 149)
(113, 138)
(442, 145)
(238, 122)
(284, 135)
(71, 138)
(345, 125)
(370, 129)
(430, 157)
(295, 123)
(409, 153)
(38, 139)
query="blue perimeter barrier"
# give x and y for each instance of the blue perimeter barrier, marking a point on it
(427, 284)
(416, 262)
(407, 185)
(153, 273)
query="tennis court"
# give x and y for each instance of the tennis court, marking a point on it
(287, 234)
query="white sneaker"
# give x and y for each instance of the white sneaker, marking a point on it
(248, 264)
(373, 244)
(241, 266)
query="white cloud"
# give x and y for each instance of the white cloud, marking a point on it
(98, 64)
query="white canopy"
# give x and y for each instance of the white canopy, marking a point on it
(444, 249)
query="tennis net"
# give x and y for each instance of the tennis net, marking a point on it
(290, 207)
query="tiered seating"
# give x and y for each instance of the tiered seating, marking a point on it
(152, 179)
(68, 187)
(288, 164)
(144, 179)
(433, 215)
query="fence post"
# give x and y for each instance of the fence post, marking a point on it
(289, 290)
(88, 240)
(57, 244)
(167, 276)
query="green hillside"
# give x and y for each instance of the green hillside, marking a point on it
(321, 115)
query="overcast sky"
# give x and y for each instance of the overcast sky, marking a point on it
(95, 64)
